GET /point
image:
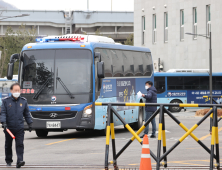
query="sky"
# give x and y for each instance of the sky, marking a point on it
(94, 5)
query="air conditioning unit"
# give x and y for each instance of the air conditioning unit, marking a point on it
(188, 70)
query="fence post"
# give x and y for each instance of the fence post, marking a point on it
(217, 139)
(107, 138)
(159, 138)
(164, 139)
(113, 140)
(213, 138)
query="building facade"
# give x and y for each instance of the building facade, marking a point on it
(117, 25)
(161, 26)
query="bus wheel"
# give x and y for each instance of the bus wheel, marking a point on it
(173, 108)
(139, 123)
(41, 133)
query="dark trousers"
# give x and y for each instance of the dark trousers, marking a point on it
(19, 138)
(148, 115)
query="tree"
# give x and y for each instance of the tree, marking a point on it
(129, 40)
(97, 32)
(11, 43)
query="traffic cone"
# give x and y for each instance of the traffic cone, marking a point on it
(145, 163)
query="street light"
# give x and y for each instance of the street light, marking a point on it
(210, 61)
(22, 15)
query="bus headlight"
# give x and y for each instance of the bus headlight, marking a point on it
(87, 112)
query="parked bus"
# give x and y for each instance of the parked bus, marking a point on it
(5, 88)
(184, 87)
(62, 77)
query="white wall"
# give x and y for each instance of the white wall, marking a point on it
(187, 54)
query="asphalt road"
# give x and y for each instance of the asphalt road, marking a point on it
(76, 149)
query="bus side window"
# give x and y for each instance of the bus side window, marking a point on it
(138, 64)
(159, 83)
(147, 64)
(117, 63)
(128, 63)
(191, 83)
(204, 83)
(217, 83)
(175, 83)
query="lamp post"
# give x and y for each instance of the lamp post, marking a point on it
(210, 61)
(210, 66)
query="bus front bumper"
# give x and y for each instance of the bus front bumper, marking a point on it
(77, 122)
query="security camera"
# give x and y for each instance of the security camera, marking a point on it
(161, 67)
(143, 10)
(153, 7)
(165, 5)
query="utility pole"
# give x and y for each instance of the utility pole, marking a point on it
(87, 5)
(210, 75)
(210, 62)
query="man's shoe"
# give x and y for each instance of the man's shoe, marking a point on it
(21, 163)
(152, 136)
(9, 164)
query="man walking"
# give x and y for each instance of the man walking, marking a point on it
(13, 109)
(151, 97)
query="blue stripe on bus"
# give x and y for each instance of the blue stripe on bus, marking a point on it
(59, 108)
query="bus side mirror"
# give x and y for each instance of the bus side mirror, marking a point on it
(98, 55)
(10, 71)
(100, 69)
(13, 59)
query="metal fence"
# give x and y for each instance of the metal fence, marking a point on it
(161, 132)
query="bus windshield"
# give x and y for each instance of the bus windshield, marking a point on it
(55, 71)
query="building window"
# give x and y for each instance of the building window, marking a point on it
(143, 29)
(181, 25)
(195, 22)
(208, 20)
(154, 29)
(165, 27)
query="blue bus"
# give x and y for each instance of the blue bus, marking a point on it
(63, 76)
(5, 88)
(186, 87)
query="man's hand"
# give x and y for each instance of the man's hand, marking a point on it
(143, 95)
(4, 125)
(30, 127)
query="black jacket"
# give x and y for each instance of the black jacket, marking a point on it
(151, 97)
(13, 111)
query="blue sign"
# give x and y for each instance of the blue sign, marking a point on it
(108, 88)
(176, 94)
(196, 96)
(125, 92)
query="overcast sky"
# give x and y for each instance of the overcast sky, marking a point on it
(100, 5)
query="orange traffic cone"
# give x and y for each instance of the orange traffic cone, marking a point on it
(145, 163)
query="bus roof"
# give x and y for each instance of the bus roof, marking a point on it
(88, 45)
(165, 74)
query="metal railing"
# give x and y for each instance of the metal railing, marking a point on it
(161, 132)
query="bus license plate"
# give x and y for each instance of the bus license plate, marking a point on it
(53, 124)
